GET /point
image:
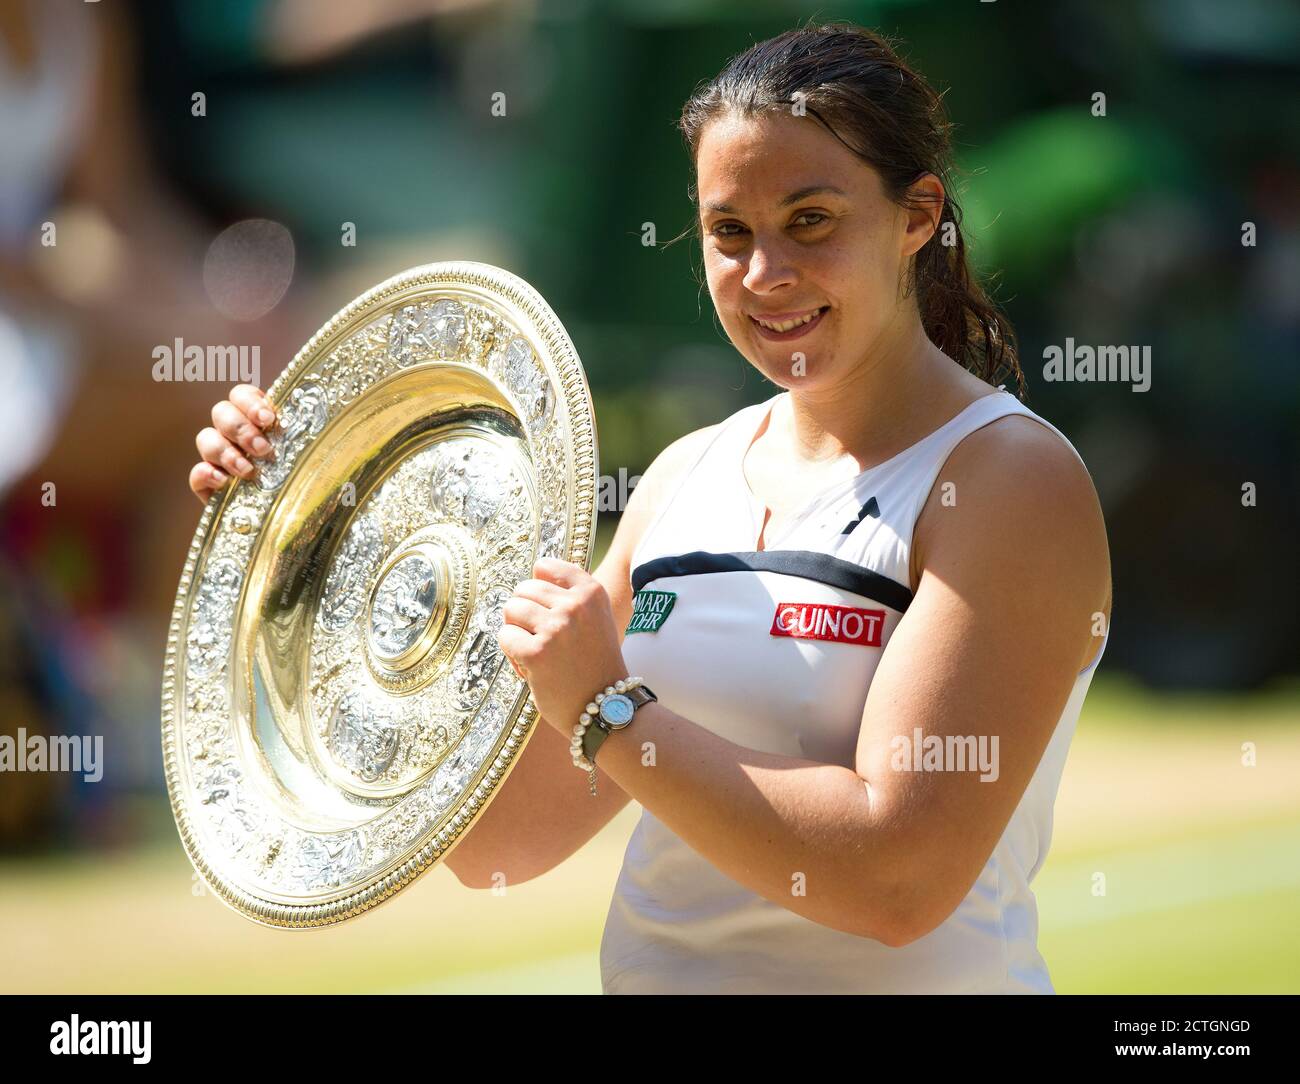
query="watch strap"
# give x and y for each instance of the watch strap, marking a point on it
(597, 732)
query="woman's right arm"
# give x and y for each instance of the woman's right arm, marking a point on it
(543, 810)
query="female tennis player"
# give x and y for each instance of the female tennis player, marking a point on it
(840, 641)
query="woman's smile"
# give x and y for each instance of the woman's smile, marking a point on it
(785, 326)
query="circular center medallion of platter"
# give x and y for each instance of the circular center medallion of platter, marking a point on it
(415, 635)
(418, 606)
(402, 609)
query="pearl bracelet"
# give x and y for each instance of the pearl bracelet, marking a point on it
(585, 720)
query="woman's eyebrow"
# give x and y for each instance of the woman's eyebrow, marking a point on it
(811, 190)
(793, 197)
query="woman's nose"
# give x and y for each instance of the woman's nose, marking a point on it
(768, 268)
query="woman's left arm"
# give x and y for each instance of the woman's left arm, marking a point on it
(1014, 572)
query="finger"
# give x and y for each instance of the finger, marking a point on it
(526, 614)
(233, 424)
(254, 403)
(515, 644)
(547, 594)
(563, 573)
(205, 480)
(218, 451)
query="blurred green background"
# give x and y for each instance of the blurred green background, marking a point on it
(1123, 229)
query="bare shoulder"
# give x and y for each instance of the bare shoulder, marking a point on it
(1021, 512)
(1016, 452)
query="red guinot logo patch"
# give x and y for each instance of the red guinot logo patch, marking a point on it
(822, 621)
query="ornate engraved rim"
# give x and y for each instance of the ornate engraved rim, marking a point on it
(573, 391)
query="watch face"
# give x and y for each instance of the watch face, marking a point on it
(617, 710)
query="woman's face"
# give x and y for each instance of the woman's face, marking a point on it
(798, 228)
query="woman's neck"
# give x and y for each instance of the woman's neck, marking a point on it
(899, 392)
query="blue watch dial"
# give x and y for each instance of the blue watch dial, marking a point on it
(616, 710)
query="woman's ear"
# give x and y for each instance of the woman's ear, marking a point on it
(926, 198)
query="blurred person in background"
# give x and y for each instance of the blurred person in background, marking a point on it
(100, 261)
(125, 225)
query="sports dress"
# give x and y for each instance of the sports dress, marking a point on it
(775, 650)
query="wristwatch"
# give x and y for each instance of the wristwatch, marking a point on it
(616, 712)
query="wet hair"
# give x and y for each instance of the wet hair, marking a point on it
(853, 82)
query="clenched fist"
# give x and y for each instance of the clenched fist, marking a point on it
(559, 633)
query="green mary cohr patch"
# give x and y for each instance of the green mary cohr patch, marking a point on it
(650, 609)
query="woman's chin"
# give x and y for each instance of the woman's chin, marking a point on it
(798, 374)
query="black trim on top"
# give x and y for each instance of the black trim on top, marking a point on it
(808, 564)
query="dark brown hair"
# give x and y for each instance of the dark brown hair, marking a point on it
(853, 82)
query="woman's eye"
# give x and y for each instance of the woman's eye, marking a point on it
(806, 219)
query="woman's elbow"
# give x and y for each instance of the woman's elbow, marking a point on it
(911, 909)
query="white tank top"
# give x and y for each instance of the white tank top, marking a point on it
(711, 616)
